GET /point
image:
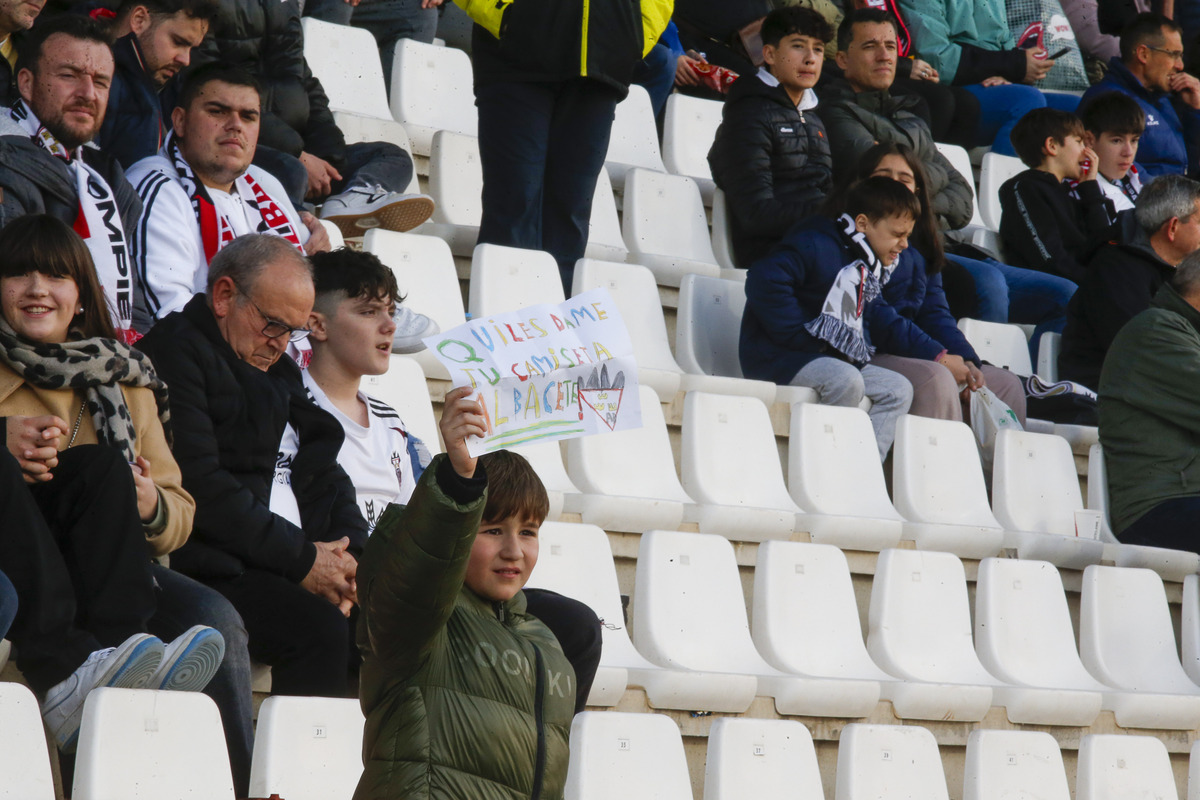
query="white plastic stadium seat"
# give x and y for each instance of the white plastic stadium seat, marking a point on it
(509, 278)
(636, 294)
(335, 234)
(628, 477)
(633, 141)
(1116, 767)
(425, 275)
(885, 761)
(403, 388)
(1035, 494)
(1023, 636)
(721, 242)
(616, 756)
(689, 127)
(730, 466)
(1010, 764)
(1049, 346)
(920, 632)
(806, 623)
(937, 484)
(431, 91)
(24, 757)
(997, 343)
(605, 240)
(546, 460)
(665, 227)
(1189, 628)
(138, 744)
(995, 171)
(455, 183)
(961, 161)
(708, 322)
(358, 128)
(1127, 641)
(576, 560)
(763, 758)
(690, 614)
(307, 748)
(346, 62)
(834, 474)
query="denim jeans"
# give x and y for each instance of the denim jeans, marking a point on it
(387, 20)
(8, 604)
(656, 74)
(1001, 107)
(1014, 294)
(541, 146)
(365, 164)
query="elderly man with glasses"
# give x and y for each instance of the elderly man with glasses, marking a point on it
(1150, 70)
(277, 528)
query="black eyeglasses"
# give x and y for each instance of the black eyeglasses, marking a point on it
(273, 328)
(1176, 55)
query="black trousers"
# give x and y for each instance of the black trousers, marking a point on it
(1171, 524)
(74, 550)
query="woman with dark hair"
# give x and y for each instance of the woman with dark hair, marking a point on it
(91, 489)
(915, 292)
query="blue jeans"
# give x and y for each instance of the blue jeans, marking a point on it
(8, 604)
(365, 164)
(541, 146)
(1001, 106)
(1013, 294)
(387, 20)
(656, 74)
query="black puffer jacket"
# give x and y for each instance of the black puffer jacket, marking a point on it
(773, 163)
(264, 38)
(228, 418)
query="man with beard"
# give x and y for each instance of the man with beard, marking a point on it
(16, 17)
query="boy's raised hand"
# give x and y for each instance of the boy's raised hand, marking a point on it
(462, 416)
(1093, 164)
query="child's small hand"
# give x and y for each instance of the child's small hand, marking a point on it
(462, 416)
(1093, 164)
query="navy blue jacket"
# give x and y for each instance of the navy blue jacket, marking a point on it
(133, 123)
(1169, 143)
(786, 289)
(918, 296)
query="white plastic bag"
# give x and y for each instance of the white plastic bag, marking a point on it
(989, 416)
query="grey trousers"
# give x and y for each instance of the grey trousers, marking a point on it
(838, 383)
(936, 395)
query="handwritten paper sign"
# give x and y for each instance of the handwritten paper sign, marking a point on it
(546, 372)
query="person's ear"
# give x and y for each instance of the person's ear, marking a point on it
(1051, 146)
(178, 118)
(316, 324)
(1171, 229)
(842, 59)
(25, 85)
(139, 20)
(223, 296)
(769, 53)
(861, 223)
(1089, 139)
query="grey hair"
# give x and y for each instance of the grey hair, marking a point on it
(1167, 197)
(1186, 280)
(244, 259)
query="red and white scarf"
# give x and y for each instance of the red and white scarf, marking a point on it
(98, 221)
(216, 231)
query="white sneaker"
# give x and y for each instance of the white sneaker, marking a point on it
(127, 666)
(190, 661)
(362, 207)
(411, 328)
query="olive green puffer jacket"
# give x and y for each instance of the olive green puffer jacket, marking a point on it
(464, 698)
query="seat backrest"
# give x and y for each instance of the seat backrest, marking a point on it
(425, 274)
(833, 463)
(689, 610)
(138, 744)
(1126, 636)
(936, 476)
(1023, 631)
(604, 227)
(1049, 346)
(635, 292)
(996, 169)
(24, 758)
(403, 388)
(1034, 483)
(307, 748)
(546, 460)
(1118, 767)
(961, 161)
(633, 141)
(708, 325)
(998, 343)
(664, 216)
(920, 620)
(455, 178)
(721, 242)
(1009, 764)
(1189, 629)
(510, 278)
(760, 758)
(637, 462)
(689, 127)
(728, 454)
(357, 128)
(1097, 489)
(431, 87)
(806, 617)
(884, 761)
(346, 62)
(618, 755)
(576, 560)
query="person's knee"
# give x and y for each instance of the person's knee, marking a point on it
(845, 388)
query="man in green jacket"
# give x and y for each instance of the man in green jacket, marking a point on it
(1150, 418)
(465, 694)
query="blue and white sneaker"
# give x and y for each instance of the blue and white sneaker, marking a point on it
(127, 666)
(190, 661)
